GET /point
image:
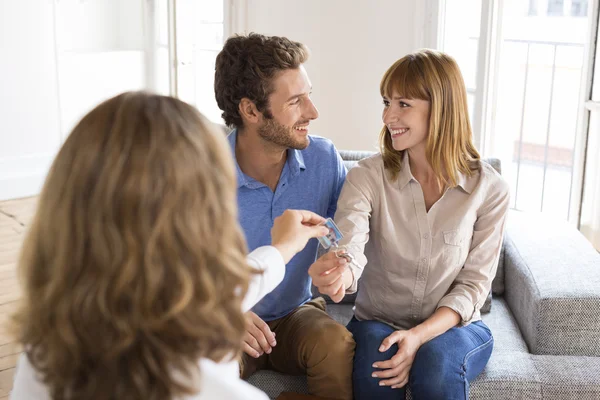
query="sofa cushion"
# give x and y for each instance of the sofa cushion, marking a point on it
(564, 377)
(504, 327)
(342, 313)
(553, 286)
(273, 383)
(487, 305)
(507, 376)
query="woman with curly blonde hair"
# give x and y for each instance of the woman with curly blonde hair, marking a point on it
(134, 270)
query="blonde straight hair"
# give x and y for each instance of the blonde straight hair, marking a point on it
(433, 76)
(134, 267)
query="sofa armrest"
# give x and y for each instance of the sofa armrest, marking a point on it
(553, 286)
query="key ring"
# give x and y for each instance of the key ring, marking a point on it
(342, 252)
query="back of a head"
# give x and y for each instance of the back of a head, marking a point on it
(245, 68)
(435, 77)
(133, 265)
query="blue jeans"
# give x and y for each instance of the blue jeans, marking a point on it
(442, 369)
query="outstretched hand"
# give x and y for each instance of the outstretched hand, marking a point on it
(293, 229)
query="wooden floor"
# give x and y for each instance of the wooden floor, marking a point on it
(15, 216)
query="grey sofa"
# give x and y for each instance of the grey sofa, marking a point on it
(545, 316)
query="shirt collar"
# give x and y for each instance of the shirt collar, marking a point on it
(295, 161)
(405, 175)
(242, 179)
(467, 183)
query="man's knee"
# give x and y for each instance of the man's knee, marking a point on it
(336, 337)
(329, 360)
(249, 365)
(333, 341)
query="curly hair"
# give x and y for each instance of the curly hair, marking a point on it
(433, 76)
(245, 68)
(134, 267)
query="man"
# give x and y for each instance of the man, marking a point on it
(264, 91)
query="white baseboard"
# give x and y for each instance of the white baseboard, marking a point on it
(23, 176)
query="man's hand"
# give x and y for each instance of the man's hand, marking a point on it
(293, 229)
(258, 338)
(330, 275)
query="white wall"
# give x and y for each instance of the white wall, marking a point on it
(49, 81)
(101, 50)
(352, 44)
(29, 120)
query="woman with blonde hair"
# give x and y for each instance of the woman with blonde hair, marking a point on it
(134, 270)
(424, 220)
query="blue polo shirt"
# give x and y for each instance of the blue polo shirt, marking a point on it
(311, 179)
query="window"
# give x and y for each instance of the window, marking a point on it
(199, 31)
(527, 97)
(533, 8)
(579, 8)
(590, 204)
(101, 52)
(462, 40)
(556, 7)
(576, 8)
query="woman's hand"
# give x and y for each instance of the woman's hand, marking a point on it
(394, 371)
(293, 229)
(328, 275)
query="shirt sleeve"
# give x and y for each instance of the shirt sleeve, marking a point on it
(340, 177)
(472, 285)
(26, 384)
(270, 261)
(352, 217)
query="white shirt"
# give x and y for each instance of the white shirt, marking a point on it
(217, 380)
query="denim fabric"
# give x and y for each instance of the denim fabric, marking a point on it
(442, 369)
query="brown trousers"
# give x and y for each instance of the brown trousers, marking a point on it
(309, 342)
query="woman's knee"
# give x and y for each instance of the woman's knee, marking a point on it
(436, 373)
(368, 336)
(437, 381)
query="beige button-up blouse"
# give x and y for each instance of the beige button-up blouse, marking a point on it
(410, 261)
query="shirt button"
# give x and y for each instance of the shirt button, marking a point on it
(424, 260)
(426, 236)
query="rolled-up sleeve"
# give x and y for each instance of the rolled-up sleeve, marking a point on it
(352, 217)
(472, 285)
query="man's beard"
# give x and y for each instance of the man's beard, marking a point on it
(282, 135)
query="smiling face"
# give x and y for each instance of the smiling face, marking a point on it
(407, 121)
(426, 111)
(290, 110)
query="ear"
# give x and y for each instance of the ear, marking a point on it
(248, 111)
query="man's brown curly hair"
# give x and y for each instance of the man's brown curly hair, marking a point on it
(245, 68)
